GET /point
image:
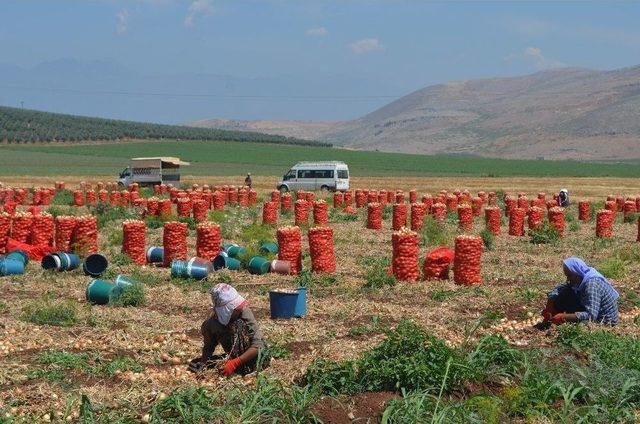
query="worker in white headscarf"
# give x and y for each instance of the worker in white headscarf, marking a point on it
(233, 326)
(563, 198)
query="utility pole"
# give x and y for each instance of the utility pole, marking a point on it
(21, 104)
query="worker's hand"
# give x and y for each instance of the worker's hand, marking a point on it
(230, 366)
(558, 319)
(549, 311)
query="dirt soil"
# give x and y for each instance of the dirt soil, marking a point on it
(366, 408)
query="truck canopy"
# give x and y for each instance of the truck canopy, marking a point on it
(165, 162)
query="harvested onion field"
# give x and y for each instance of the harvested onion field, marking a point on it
(370, 349)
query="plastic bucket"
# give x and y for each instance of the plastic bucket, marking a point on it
(281, 267)
(194, 268)
(282, 304)
(235, 251)
(9, 266)
(225, 261)
(18, 255)
(155, 255)
(301, 303)
(259, 265)
(99, 292)
(270, 247)
(124, 282)
(50, 262)
(95, 265)
(68, 261)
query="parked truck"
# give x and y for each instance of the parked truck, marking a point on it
(150, 171)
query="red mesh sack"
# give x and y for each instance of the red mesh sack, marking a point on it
(523, 202)
(436, 264)
(253, 197)
(492, 219)
(516, 222)
(200, 210)
(604, 223)
(348, 198)
(350, 210)
(374, 216)
(290, 247)
(399, 196)
(439, 211)
(465, 217)
(361, 198)
(270, 213)
(114, 198)
(184, 207)
(619, 203)
(42, 231)
(510, 203)
(372, 196)
(418, 212)
(103, 195)
(391, 196)
(208, 240)
(405, 255)
(285, 202)
(612, 206)
(85, 235)
(584, 210)
(321, 250)
(629, 208)
(218, 200)
(383, 197)
(134, 240)
(275, 196)
(65, 226)
(153, 206)
(542, 196)
(476, 206)
(413, 196)
(399, 218)
(491, 199)
(452, 202)
(5, 228)
(125, 198)
(338, 199)
(427, 200)
(78, 198)
(243, 198)
(320, 213)
(467, 260)
(174, 241)
(164, 209)
(21, 226)
(301, 211)
(556, 219)
(233, 196)
(534, 218)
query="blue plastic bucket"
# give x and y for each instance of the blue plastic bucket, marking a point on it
(155, 255)
(18, 255)
(190, 269)
(95, 265)
(301, 303)
(68, 261)
(225, 261)
(9, 266)
(269, 247)
(282, 304)
(99, 292)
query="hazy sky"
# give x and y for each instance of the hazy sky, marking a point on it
(396, 46)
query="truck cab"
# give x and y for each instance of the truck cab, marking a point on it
(150, 171)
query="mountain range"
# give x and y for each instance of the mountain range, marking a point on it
(566, 113)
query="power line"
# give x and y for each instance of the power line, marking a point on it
(252, 97)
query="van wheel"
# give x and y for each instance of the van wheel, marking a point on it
(324, 188)
(283, 189)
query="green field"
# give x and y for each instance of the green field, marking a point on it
(235, 158)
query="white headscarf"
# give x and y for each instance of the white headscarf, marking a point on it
(225, 300)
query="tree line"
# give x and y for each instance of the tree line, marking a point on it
(31, 126)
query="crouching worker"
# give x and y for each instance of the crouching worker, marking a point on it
(585, 296)
(232, 325)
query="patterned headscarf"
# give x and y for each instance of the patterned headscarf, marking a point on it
(225, 300)
(578, 267)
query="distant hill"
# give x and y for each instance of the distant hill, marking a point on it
(22, 126)
(562, 113)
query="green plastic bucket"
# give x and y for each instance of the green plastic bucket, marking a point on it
(235, 251)
(99, 292)
(124, 282)
(259, 265)
(225, 261)
(269, 247)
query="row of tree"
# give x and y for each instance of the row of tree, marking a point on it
(31, 126)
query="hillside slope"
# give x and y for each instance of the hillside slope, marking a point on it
(562, 113)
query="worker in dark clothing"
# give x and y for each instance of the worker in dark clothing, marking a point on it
(563, 198)
(247, 180)
(233, 326)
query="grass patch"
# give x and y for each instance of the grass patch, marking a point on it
(433, 233)
(488, 239)
(546, 234)
(131, 296)
(47, 311)
(377, 275)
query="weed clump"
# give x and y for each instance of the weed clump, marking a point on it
(544, 235)
(131, 296)
(487, 239)
(47, 311)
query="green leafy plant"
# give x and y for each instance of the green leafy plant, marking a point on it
(377, 275)
(487, 239)
(544, 235)
(131, 296)
(48, 311)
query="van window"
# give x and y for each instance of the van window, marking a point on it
(306, 173)
(343, 174)
(289, 175)
(324, 174)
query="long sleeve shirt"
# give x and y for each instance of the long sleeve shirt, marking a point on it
(599, 304)
(215, 333)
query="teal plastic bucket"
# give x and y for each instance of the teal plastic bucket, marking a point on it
(18, 255)
(155, 255)
(9, 266)
(51, 262)
(269, 247)
(198, 270)
(225, 261)
(259, 265)
(95, 265)
(301, 303)
(68, 261)
(235, 251)
(282, 304)
(99, 292)
(124, 282)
